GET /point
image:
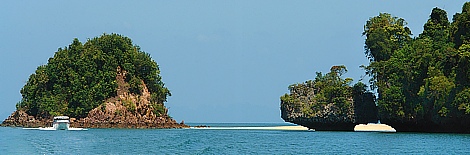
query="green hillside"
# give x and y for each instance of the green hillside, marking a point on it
(82, 76)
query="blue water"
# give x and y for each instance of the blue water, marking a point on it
(193, 141)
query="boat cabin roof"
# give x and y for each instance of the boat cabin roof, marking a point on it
(61, 118)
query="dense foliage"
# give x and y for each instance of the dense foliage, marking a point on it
(81, 77)
(424, 79)
(311, 97)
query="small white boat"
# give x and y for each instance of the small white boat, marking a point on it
(374, 127)
(59, 123)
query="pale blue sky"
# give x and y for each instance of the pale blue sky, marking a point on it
(224, 61)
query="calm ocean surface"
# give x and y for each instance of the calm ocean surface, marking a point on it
(194, 141)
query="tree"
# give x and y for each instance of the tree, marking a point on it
(384, 35)
(437, 26)
(460, 26)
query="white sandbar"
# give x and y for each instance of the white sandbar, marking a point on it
(299, 128)
(372, 127)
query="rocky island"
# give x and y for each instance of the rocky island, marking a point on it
(106, 82)
(329, 103)
(422, 83)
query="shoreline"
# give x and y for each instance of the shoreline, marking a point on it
(21, 119)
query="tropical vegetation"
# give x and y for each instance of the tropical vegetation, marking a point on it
(422, 82)
(312, 96)
(422, 79)
(82, 76)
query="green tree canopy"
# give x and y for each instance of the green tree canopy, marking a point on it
(311, 96)
(385, 34)
(80, 77)
(421, 79)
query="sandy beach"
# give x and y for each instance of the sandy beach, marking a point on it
(371, 127)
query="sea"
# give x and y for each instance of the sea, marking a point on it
(227, 138)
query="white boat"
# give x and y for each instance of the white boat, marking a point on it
(59, 123)
(374, 127)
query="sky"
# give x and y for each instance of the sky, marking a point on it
(223, 61)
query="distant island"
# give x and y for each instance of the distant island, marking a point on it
(107, 82)
(422, 82)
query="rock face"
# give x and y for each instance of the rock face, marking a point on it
(365, 110)
(450, 125)
(330, 117)
(126, 110)
(20, 118)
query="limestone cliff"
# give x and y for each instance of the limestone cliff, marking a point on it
(330, 117)
(329, 103)
(128, 110)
